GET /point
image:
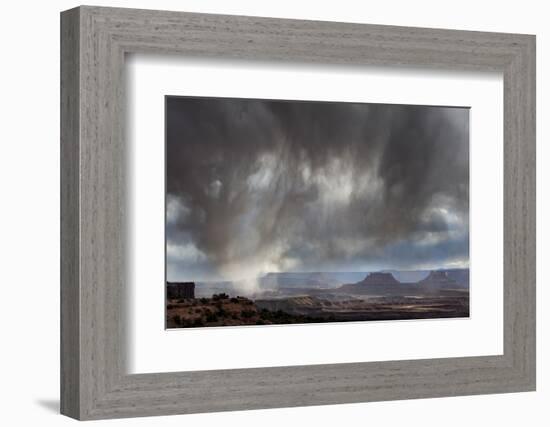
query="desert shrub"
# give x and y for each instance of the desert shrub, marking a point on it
(217, 297)
(188, 323)
(279, 314)
(260, 322)
(212, 317)
(279, 317)
(234, 300)
(198, 310)
(247, 314)
(198, 322)
(171, 306)
(177, 319)
(204, 300)
(286, 318)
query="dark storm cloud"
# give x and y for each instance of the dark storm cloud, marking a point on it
(256, 186)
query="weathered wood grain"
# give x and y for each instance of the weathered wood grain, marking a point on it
(70, 220)
(94, 270)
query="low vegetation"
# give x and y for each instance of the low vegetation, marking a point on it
(221, 310)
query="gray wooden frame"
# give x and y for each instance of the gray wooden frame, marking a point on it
(94, 382)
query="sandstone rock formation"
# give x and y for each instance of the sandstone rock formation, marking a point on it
(379, 279)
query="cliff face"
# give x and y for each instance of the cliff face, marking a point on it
(438, 278)
(460, 276)
(176, 290)
(379, 279)
(385, 284)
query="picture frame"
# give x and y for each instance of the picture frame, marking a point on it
(94, 268)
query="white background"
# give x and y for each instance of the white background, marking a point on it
(151, 78)
(29, 233)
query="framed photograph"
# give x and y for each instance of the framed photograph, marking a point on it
(292, 212)
(262, 213)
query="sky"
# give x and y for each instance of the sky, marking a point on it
(257, 186)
